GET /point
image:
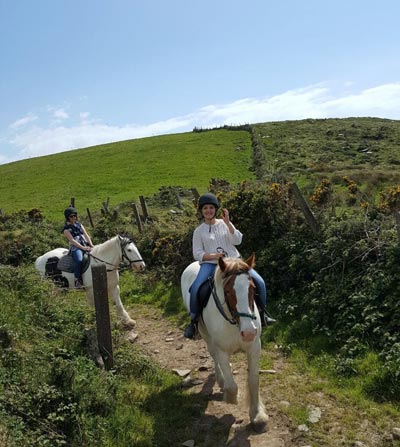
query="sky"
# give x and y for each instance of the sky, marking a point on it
(77, 73)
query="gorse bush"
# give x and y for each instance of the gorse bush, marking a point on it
(25, 235)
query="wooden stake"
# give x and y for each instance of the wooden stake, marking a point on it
(99, 277)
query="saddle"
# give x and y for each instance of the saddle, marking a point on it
(66, 263)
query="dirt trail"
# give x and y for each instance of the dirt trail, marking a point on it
(225, 424)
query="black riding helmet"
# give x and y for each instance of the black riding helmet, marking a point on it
(208, 199)
(68, 211)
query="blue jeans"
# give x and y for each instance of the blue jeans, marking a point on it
(77, 256)
(206, 270)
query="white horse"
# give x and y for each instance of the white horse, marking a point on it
(230, 322)
(112, 253)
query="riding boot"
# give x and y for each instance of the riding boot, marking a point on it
(191, 330)
(268, 320)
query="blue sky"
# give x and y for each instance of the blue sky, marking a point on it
(76, 73)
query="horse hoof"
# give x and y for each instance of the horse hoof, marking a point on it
(129, 324)
(260, 424)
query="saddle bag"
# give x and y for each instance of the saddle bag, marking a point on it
(66, 263)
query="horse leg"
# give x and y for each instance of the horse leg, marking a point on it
(121, 312)
(257, 414)
(219, 377)
(230, 388)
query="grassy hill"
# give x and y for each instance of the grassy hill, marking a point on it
(124, 170)
(365, 149)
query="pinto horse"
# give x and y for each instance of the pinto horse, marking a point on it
(112, 253)
(230, 322)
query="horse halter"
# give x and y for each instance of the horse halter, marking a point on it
(231, 298)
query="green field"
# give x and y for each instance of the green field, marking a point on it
(364, 149)
(123, 171)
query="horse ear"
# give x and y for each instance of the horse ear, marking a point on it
(251, 261)
(222, 264)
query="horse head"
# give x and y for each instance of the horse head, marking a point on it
(239, 293)
(130, 254)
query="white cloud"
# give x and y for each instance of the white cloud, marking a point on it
(317, 101)
(60, 114)
(84, 117)
(311, 102)
(23, 121)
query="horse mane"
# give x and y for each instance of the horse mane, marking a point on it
(232, 265)
(100, 247)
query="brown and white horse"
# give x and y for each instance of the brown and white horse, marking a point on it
(112, 253)
(230, 322)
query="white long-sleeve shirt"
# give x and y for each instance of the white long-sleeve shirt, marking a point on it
(213, 238)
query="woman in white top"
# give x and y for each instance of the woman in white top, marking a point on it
(213, 239)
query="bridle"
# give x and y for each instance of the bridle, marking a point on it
(123, 243)
(228, 281)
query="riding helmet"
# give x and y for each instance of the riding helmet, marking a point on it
(208, 199)
(70, 210)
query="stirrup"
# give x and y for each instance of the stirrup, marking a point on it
(266, 319)
(79, 284)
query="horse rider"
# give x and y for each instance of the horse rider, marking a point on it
(212, 239)
(79, 242)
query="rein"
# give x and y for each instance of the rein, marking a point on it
(234, 314)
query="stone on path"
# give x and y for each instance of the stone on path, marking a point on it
(189, 443)
(182, 372)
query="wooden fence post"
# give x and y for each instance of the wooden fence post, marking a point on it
(397, 216)
(144, 208)
(304, 208)
(105, 205)
(137, 217)
(196, 195)
(99, 278)
(178, 200)
(90, 217)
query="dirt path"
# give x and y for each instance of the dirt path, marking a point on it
(225, 424)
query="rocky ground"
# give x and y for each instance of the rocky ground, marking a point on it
(330, 423)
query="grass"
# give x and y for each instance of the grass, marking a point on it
(348, 415)
(306, 150)
(123, 171)
(365, 149)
